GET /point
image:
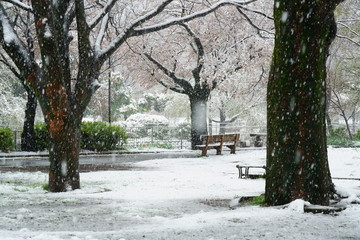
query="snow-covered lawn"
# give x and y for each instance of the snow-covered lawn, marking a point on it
(183, 198)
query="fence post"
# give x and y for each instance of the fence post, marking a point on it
(181, 138)
(152, 134)
(15, 137)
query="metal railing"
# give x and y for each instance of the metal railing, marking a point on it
(158, 136)
(164, 137)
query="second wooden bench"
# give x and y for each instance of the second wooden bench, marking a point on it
(218, 141)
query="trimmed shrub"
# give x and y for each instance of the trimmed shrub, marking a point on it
(6, 139)
(42, 137)
(98, 136)
(339, 132)
(101, 136)
(339, 141)
(357, 135)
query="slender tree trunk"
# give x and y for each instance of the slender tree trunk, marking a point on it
(28, 142)
(327, 115)
(222, 121)
(198, 119)
(354, 123)
(329, 123)
(347, 124)
(297, 164)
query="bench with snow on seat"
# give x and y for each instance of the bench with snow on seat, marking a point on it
(217, 142)
(244, 171)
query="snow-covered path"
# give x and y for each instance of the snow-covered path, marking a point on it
(183, 198)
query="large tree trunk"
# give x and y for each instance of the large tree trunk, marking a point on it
(198, 120)
(297, 164)
(64, 155)
(28, 142)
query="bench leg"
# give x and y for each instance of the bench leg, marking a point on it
(240, 171)
(218, 151)
(204, 152)
(232, 149)
(246, 172)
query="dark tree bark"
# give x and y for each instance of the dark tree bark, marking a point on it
(297, 164)
(28, 142)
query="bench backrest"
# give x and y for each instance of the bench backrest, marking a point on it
(221, 138)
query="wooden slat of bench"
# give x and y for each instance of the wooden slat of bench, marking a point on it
(217, 141)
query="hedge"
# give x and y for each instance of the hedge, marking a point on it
(101, 136)
(42, 137)
(6, 139)
(98, 136)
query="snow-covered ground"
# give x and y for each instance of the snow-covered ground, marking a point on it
(185, 198)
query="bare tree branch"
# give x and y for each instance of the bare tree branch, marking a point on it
(188, 18)
(179, 81)
(101, 34)
(20, 5)
(258, 12)
(200, 52)
(349, 28)
(14, 47)
(349, 39)
(259, 30)
(11, 67)
(121, 38)
(110, 4)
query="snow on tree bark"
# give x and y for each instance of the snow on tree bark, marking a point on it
(297, 164)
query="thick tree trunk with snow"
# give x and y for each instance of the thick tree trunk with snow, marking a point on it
(64, 154)
(297, 164)
(198, 120)
(28, 142)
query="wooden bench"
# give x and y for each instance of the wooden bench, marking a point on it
(218, 141)
(245, 173)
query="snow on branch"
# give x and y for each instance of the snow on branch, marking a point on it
(20, 5)
(101, 33)
(200, 52)
(151, 14)
(11, 42)
(102, 14)
(120, 39)
(131, 31)
(189, 17)
(11, 67)
(179, 81)
(175, 89)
